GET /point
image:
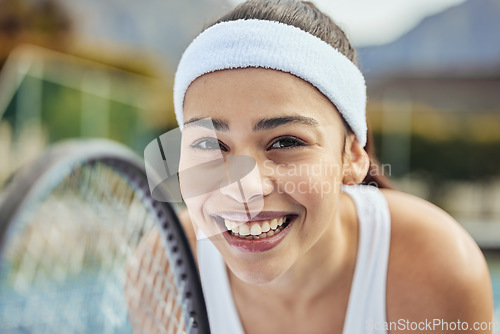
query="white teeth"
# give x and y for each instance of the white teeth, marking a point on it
(274, 224)
(255, 229)
(244, 229)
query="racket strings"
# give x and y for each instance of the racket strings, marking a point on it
(156, 303)
(82, 261)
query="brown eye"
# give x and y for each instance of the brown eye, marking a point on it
(209, 144)
(287, 142)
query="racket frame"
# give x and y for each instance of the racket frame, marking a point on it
(35, 181)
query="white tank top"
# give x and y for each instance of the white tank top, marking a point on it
(366, 309)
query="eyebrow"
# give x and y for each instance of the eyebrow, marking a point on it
(209, 123)
(271, 123)
(263, 124)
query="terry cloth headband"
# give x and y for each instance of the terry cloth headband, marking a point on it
(274, 45)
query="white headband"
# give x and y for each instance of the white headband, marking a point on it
(274, 45)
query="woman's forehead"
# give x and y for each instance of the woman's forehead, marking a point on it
(254, 91)
(251, 75)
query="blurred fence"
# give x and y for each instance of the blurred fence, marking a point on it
(441, 138)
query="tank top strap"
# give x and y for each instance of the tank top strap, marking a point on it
(367, 300)
(221, 309)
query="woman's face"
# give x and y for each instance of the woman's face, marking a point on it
(295, 137)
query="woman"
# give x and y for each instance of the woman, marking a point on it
(291, 249)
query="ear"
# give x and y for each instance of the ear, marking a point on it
(355, 162)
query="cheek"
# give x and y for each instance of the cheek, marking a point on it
(195, 202)
(201, 220)
(197, 188)
(313, 185)
(194, 206)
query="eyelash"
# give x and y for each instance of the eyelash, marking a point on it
(296, 143)
(197, 143)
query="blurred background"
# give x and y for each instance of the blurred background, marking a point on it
(104, 68)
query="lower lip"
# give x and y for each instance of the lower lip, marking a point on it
(260, 245)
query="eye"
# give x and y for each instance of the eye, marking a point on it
(209, 144)
(287, 142)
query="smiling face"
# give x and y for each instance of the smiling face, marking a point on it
(296, 137)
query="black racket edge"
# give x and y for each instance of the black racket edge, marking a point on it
(41, 176)
(45, 173)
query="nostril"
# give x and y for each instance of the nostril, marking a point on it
(256, 197)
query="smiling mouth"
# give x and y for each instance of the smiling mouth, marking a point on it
(254, 230)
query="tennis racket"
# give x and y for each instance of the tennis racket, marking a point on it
(84, 248)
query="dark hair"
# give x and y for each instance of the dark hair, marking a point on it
(305, 15)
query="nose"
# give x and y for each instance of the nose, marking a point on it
(250, 188)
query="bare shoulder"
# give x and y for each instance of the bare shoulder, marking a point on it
(436, 270)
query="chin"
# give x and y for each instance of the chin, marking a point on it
(257, 271)
(257, 277)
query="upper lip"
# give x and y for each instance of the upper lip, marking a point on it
(252, 216)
